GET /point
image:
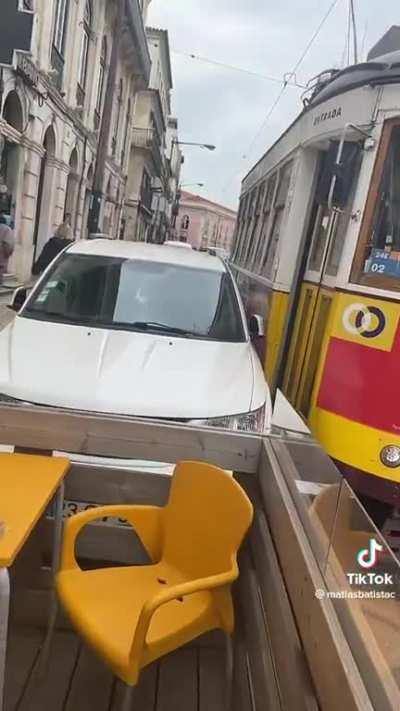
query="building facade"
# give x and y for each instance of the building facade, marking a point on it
(205, 224)
(66, 116)
(154, 170)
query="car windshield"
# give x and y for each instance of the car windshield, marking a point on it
(139, 295)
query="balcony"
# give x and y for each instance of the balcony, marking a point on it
(137, 48)
(143, 137)
(146, 138)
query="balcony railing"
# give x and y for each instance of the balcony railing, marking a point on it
(147, 138)
(143, 137)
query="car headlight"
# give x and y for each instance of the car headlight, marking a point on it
(248, 422)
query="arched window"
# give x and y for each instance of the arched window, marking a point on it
(60, 25)
(86, 33)
(185, 222)
(102, 76)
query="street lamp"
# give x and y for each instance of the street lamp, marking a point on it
(189, 185)
(208, 146)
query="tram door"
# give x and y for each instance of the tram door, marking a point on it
(330, 216)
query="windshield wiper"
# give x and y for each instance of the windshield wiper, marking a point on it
(164, 327)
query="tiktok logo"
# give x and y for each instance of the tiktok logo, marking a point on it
(367, 557)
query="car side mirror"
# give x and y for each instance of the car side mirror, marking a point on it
(18, 299)
(256, 326)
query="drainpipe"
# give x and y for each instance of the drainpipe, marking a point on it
(106, 122)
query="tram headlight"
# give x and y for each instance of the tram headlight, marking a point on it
(390, 456)
(248, 422)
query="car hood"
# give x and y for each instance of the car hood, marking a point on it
(124, 372)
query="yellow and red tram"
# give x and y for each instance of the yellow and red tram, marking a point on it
(317, 252)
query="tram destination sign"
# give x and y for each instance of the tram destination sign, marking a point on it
(381, 262)
(15, 29)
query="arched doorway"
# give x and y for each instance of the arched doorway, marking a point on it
(44, 210)
(10, 156)
(72, 191)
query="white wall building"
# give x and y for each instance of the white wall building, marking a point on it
(154, 162)
(66, 113)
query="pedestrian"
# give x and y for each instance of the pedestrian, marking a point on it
(7, 243)
(62, 238)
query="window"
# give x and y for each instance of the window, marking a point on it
(87, 29)
(281, 196)
(342, 220)
(332, 206)
(139, 296)
(266, 222)
(60, 25)
(126, 132)
(250, 215)
(257, 231)
(120, 99)
(102, 77)
(146, 193)
(240, 227)
(185, 224)
(379, 252)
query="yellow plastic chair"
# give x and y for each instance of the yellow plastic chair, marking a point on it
(131, 616)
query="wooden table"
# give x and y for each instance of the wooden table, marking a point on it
(28, 483)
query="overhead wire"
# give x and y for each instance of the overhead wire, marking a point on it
(250, 72)
(283, 89)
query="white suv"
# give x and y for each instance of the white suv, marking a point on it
(136, 329)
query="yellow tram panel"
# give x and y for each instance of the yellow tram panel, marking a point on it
(276, 319)
(299, 341)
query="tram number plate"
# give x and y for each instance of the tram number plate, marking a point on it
(73, 507)
(382, 262)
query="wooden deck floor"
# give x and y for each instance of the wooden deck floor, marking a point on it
(191, 679)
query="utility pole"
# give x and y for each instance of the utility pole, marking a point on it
(355, 42)
(106, 121)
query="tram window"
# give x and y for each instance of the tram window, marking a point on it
(320, 236)
(273, 242)
(242, 228)
(256, 231)
(343, 217)
(270, 194)
(384, 252)
(279, 211)
(251, 222)
(333, 221)
(266, 219)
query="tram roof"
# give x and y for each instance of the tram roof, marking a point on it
(379, 71)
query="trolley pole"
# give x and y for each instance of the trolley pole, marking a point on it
(355, 41)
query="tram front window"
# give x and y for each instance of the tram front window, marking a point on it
(384, 254)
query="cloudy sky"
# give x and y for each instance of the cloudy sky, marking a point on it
(227, 108)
